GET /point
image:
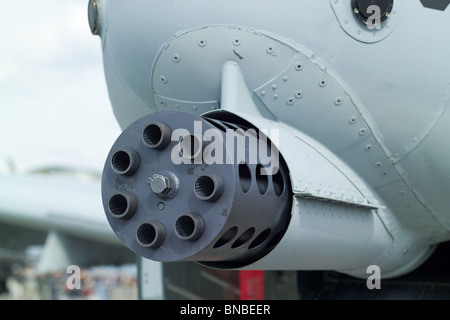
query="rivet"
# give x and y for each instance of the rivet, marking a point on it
(285, 78)
(163, 79)
(368, 147)
(299, 94)
(290, 101)
(384, 173)
(263, 93)
(274, 86)
(338, 101)
(194, 107)
(362, 131)
(352, 120)
(270, 49)
(298, 66)
(275, 96)
(323, 83)
(202, 42)
(378, 164)
(236, 42)
(176, 57)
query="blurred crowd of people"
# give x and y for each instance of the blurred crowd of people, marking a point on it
(96, 283)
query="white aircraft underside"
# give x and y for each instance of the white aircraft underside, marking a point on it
(363, 114)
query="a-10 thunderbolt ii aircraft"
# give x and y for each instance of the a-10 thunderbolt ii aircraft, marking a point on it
(279, 135)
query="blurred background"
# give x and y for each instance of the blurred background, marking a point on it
(53, 96)
(56, 129)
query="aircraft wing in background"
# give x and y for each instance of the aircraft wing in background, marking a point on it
(63, 214)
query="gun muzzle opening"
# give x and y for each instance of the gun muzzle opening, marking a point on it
(191, 147)
(150, 234)
(156, 135)
(208, 187)
(125, 162)
(122, 205)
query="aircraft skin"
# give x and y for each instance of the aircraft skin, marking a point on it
(362, 109)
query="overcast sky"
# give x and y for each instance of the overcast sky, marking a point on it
(54, 105)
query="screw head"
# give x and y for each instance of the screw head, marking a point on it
(160, 185)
